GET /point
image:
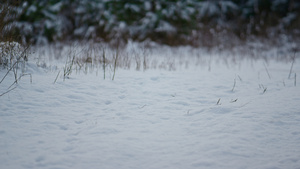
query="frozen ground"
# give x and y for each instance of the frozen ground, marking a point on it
(213, 114)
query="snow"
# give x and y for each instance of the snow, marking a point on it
(208, 9)
(31, 9)
(207, 112)
(132, 7)
(165, 27)
(227, 6)
(147, 5)
(56, 7)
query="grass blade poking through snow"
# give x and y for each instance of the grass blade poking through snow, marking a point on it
(103, 56)
(295, 82)
(8, 91)
(56, 78)
(68, 67)
(218, 102)
(234, 83)
(267, 71)
(292, 66)
(115, 64)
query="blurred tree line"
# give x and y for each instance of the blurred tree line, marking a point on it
(172, 22)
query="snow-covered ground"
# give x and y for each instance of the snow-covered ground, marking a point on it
(208, 113)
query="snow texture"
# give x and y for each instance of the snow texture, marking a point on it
(210, 114)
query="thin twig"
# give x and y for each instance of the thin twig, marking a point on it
(56, 78)
(291, 69)
(16, 81)
(244, 104)
(265, 89)
(232, 101)
(267, 71)
(8, 91)
(218, 102)
(115, 65)
(233, 84)
(295, 82)
(143, 106)
(240, 78)
(103, 55)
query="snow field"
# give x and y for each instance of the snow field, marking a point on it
(210, 115)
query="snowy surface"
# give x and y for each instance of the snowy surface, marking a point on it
(210, 114)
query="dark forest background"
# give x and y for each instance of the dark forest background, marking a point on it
(171, 22)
